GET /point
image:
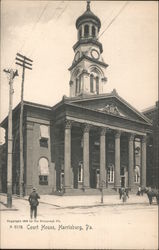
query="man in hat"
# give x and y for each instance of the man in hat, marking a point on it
(33, 200)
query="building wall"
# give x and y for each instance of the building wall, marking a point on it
(153, 147)
(34, 152)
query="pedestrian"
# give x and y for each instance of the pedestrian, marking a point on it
(121, 191)
(139, 191)
(33, 200)
(124, 196)
(127, 192)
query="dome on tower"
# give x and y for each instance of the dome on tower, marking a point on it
(88, 15)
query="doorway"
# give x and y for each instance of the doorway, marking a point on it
(122, 181)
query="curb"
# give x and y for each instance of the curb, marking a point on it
(104, 205)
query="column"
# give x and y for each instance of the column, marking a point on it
(82, 31)
(86, 156)
(117, 160)
(102, 177)
(131, 161)
(67, 155)
(143, 161)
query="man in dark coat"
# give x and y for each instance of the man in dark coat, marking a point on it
(33, 200)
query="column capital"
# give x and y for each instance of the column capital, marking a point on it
(117, 134)
(143, 139)
(103, 130)
(68, 124)
(86, 127)
(131, 137)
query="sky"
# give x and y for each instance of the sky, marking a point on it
(45, 32)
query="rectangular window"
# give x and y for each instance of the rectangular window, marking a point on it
(44, 142)
(44, 136)
(44, 131)
(80, 173)
(43, 180)
(110, 175)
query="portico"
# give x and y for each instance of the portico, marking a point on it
(100, 155)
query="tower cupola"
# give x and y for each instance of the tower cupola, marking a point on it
(88, 24)
(88, 66)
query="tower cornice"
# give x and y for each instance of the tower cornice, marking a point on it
(88, 41)
(89, 59)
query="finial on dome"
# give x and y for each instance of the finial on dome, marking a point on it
(88, 5)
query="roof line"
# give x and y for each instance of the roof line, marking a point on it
(125, 118)
(115, 94)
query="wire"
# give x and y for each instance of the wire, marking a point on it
(57, 8)
(114, 18)
(62, 12)
(34, 26)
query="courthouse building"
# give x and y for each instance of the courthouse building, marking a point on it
(87, 140)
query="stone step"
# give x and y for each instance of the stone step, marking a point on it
(90, 191)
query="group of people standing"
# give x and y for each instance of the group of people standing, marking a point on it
(123, 193)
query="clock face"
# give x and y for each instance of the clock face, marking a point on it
(77, 56)
(95, 54)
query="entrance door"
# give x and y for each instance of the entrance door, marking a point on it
(122, 181)
(94, 178)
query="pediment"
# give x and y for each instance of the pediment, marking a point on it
(110, 104)
(111, 108)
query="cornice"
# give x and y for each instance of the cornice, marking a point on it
(89, 59)
(88, 41)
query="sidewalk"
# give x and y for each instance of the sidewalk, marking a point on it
(90, 201)
(62, 202)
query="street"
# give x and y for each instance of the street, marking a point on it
(119, 226)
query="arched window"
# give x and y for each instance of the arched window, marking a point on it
(79, 90)
(86, 30)
(97, 84)
(43, 171)
(80, 33)
(77, 83)
(93, 31)
(137, 174)
(91, 83)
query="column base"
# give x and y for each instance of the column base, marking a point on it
(28, 189)
(67, 189)
(117, 188)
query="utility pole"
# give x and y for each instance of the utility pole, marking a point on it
(11, 74)
(24, 62)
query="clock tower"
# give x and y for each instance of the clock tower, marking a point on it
(88, 67)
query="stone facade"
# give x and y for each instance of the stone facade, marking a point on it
(86, 141)
(80, 149)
